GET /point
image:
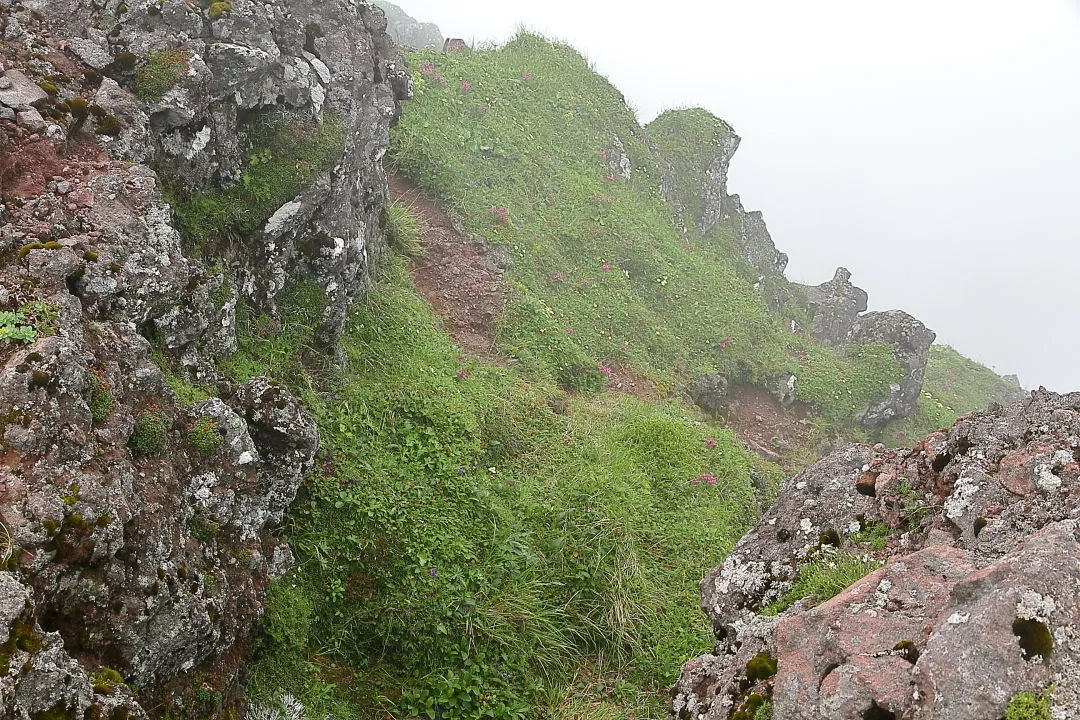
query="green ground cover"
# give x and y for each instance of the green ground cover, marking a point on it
(462, 549)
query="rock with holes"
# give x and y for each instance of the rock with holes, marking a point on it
(39, 678)
(977, 532)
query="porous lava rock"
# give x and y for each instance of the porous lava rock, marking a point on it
(975, 601)
(137, 528)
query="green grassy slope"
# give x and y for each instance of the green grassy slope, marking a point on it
(463, 548)
(464, 551)
(513, 141)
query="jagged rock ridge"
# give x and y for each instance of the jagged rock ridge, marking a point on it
(976, 602)
(409, 32)
(137, 534)
(695, 184)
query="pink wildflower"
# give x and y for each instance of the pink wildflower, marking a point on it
(440, 79)
(466, 86)
(463, 373)
(605, 266)
(609, 177)
(605, 370)
(688, 247)
(707, 478)
(558, 277)
(585, 283)
(427, 67)
(603, 154)
(569, 331)
(711, 444)
(624, 347)
(527, 76)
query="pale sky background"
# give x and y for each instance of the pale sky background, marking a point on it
(930, 146)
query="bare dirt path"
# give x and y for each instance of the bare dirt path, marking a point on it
(463, 280)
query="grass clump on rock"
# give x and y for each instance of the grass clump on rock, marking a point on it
(1030, 706)
(287, 152)
(161, 71)
(151, 433)
(205, 436)
(823, 578)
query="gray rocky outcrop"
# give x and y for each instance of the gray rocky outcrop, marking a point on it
(974, 603)
(710, 393)
(910, 341)
(407, 31)
(838, 317)
(694, 174)
(233, 66)
(38, 676)
(137, 532)
(834, 306)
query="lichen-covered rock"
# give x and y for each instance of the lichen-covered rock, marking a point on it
(206, 77)
(976, 601)
(38, 676)
(710, 393)
(137, 533)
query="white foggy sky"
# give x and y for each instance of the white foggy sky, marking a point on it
(930, 146)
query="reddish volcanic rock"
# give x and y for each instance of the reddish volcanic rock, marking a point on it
(977, 600)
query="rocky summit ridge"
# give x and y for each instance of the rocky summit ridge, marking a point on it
(174, 174)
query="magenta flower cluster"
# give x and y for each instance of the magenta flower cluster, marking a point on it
(527, 76)
(503, 213)
(711, 444)
(466, 86)
(725, 342)
(707, 479)
(428, 68)
(604, 369)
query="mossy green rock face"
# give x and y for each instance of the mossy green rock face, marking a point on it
(974, 608)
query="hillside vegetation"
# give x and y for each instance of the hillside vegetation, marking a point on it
(462, 549)
(507, 540)
(518, 143)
